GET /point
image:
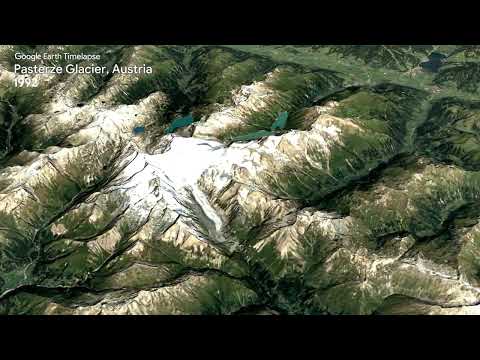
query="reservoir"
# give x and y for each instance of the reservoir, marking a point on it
(435, 61)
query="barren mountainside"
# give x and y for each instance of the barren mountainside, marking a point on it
(298, 180)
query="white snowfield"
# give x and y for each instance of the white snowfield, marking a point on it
(170, 174)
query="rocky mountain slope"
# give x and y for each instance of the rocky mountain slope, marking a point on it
(365, 202)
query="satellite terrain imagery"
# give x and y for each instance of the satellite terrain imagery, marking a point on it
(239, 179)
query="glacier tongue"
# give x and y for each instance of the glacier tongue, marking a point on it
(174, 175)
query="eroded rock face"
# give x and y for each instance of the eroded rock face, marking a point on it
(343, 211)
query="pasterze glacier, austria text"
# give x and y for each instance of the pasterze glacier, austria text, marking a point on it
(82, 69)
